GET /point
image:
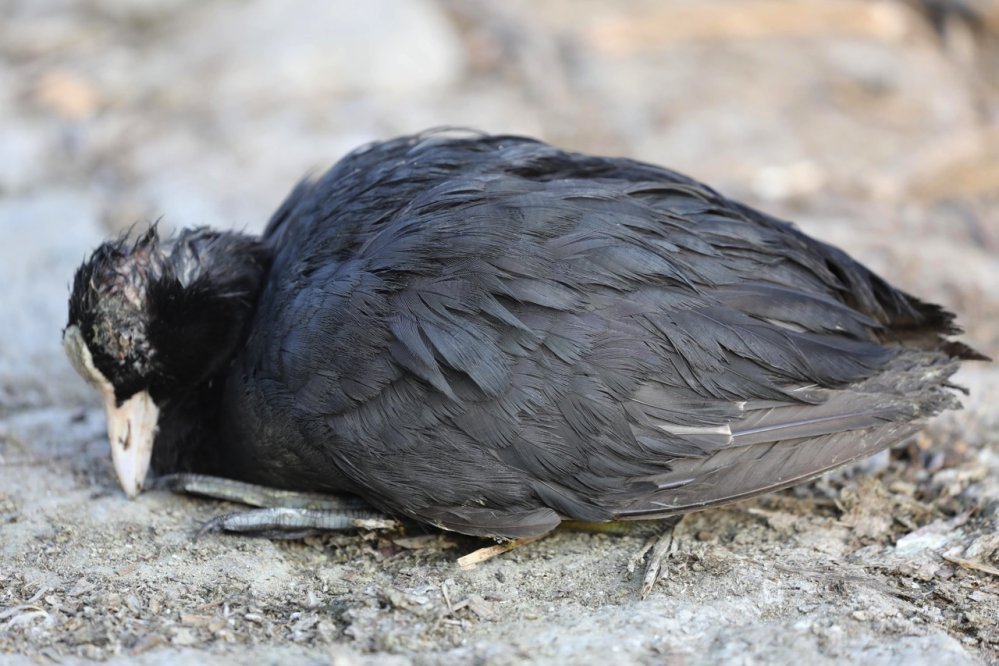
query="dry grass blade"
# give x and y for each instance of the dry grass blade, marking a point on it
(969, 564)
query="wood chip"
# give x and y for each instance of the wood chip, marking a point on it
(475, 558)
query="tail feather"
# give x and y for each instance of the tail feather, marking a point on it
(740, 473)
(776, 445)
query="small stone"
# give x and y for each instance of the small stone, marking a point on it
(482, 608)
(902, 487)
(82, 587)
(916, 542)
(184, 636)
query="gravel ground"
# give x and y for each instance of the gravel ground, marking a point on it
(853, 118)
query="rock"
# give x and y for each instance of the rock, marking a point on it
(938, 649)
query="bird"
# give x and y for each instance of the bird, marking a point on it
(491, 335)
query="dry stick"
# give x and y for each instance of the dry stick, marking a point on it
(479, 556)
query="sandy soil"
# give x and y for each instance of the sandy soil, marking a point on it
(852, 118)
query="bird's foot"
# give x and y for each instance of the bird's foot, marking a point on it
(283, 514)
(665, 544)
(230, 490)
(295, 523)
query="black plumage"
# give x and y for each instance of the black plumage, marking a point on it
(490, 334)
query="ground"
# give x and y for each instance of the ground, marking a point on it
(855, 119)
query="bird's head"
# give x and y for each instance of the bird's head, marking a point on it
(152, 319)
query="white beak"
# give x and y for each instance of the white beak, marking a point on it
(131, 426)
(131, 429)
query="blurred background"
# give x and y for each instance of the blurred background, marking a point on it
(873, 124)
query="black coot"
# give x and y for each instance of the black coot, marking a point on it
(489, 334)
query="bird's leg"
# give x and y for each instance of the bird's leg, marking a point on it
(282, 514)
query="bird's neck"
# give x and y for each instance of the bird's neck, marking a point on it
(201, 314)
(188, 436)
